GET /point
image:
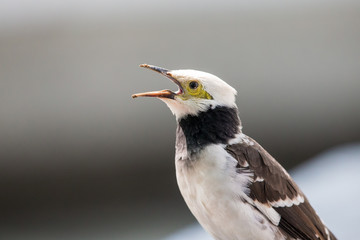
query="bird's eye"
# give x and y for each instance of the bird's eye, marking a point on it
(193, 84)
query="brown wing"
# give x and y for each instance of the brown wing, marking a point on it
(273, 187)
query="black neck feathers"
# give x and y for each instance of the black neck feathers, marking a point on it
(216, 125)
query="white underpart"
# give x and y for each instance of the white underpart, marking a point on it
(215, 192)
(217, 196)
(223, 94)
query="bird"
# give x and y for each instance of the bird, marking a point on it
(231, 184)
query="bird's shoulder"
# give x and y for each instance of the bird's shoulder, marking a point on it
(267, 173)
(274, 193)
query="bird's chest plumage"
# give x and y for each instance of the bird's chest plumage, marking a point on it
(215, 193)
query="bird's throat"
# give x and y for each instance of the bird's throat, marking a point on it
(215, 126)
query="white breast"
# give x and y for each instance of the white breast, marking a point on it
(217, 195)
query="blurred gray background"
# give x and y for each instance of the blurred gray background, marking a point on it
(80, 159)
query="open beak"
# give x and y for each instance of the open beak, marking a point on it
(163, 93)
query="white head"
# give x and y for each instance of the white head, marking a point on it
(198, 91)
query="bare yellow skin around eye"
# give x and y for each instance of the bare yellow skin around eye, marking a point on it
(198, 92)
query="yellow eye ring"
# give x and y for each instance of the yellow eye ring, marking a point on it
(194, 89)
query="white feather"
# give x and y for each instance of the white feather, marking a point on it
(223, 94)
(217, 196)
(287, 202)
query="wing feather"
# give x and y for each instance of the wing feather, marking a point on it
(277, 190)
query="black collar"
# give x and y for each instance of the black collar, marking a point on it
(216, 125)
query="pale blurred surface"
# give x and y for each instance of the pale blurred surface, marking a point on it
(80, 159)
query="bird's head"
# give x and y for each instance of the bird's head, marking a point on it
(198, 91)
